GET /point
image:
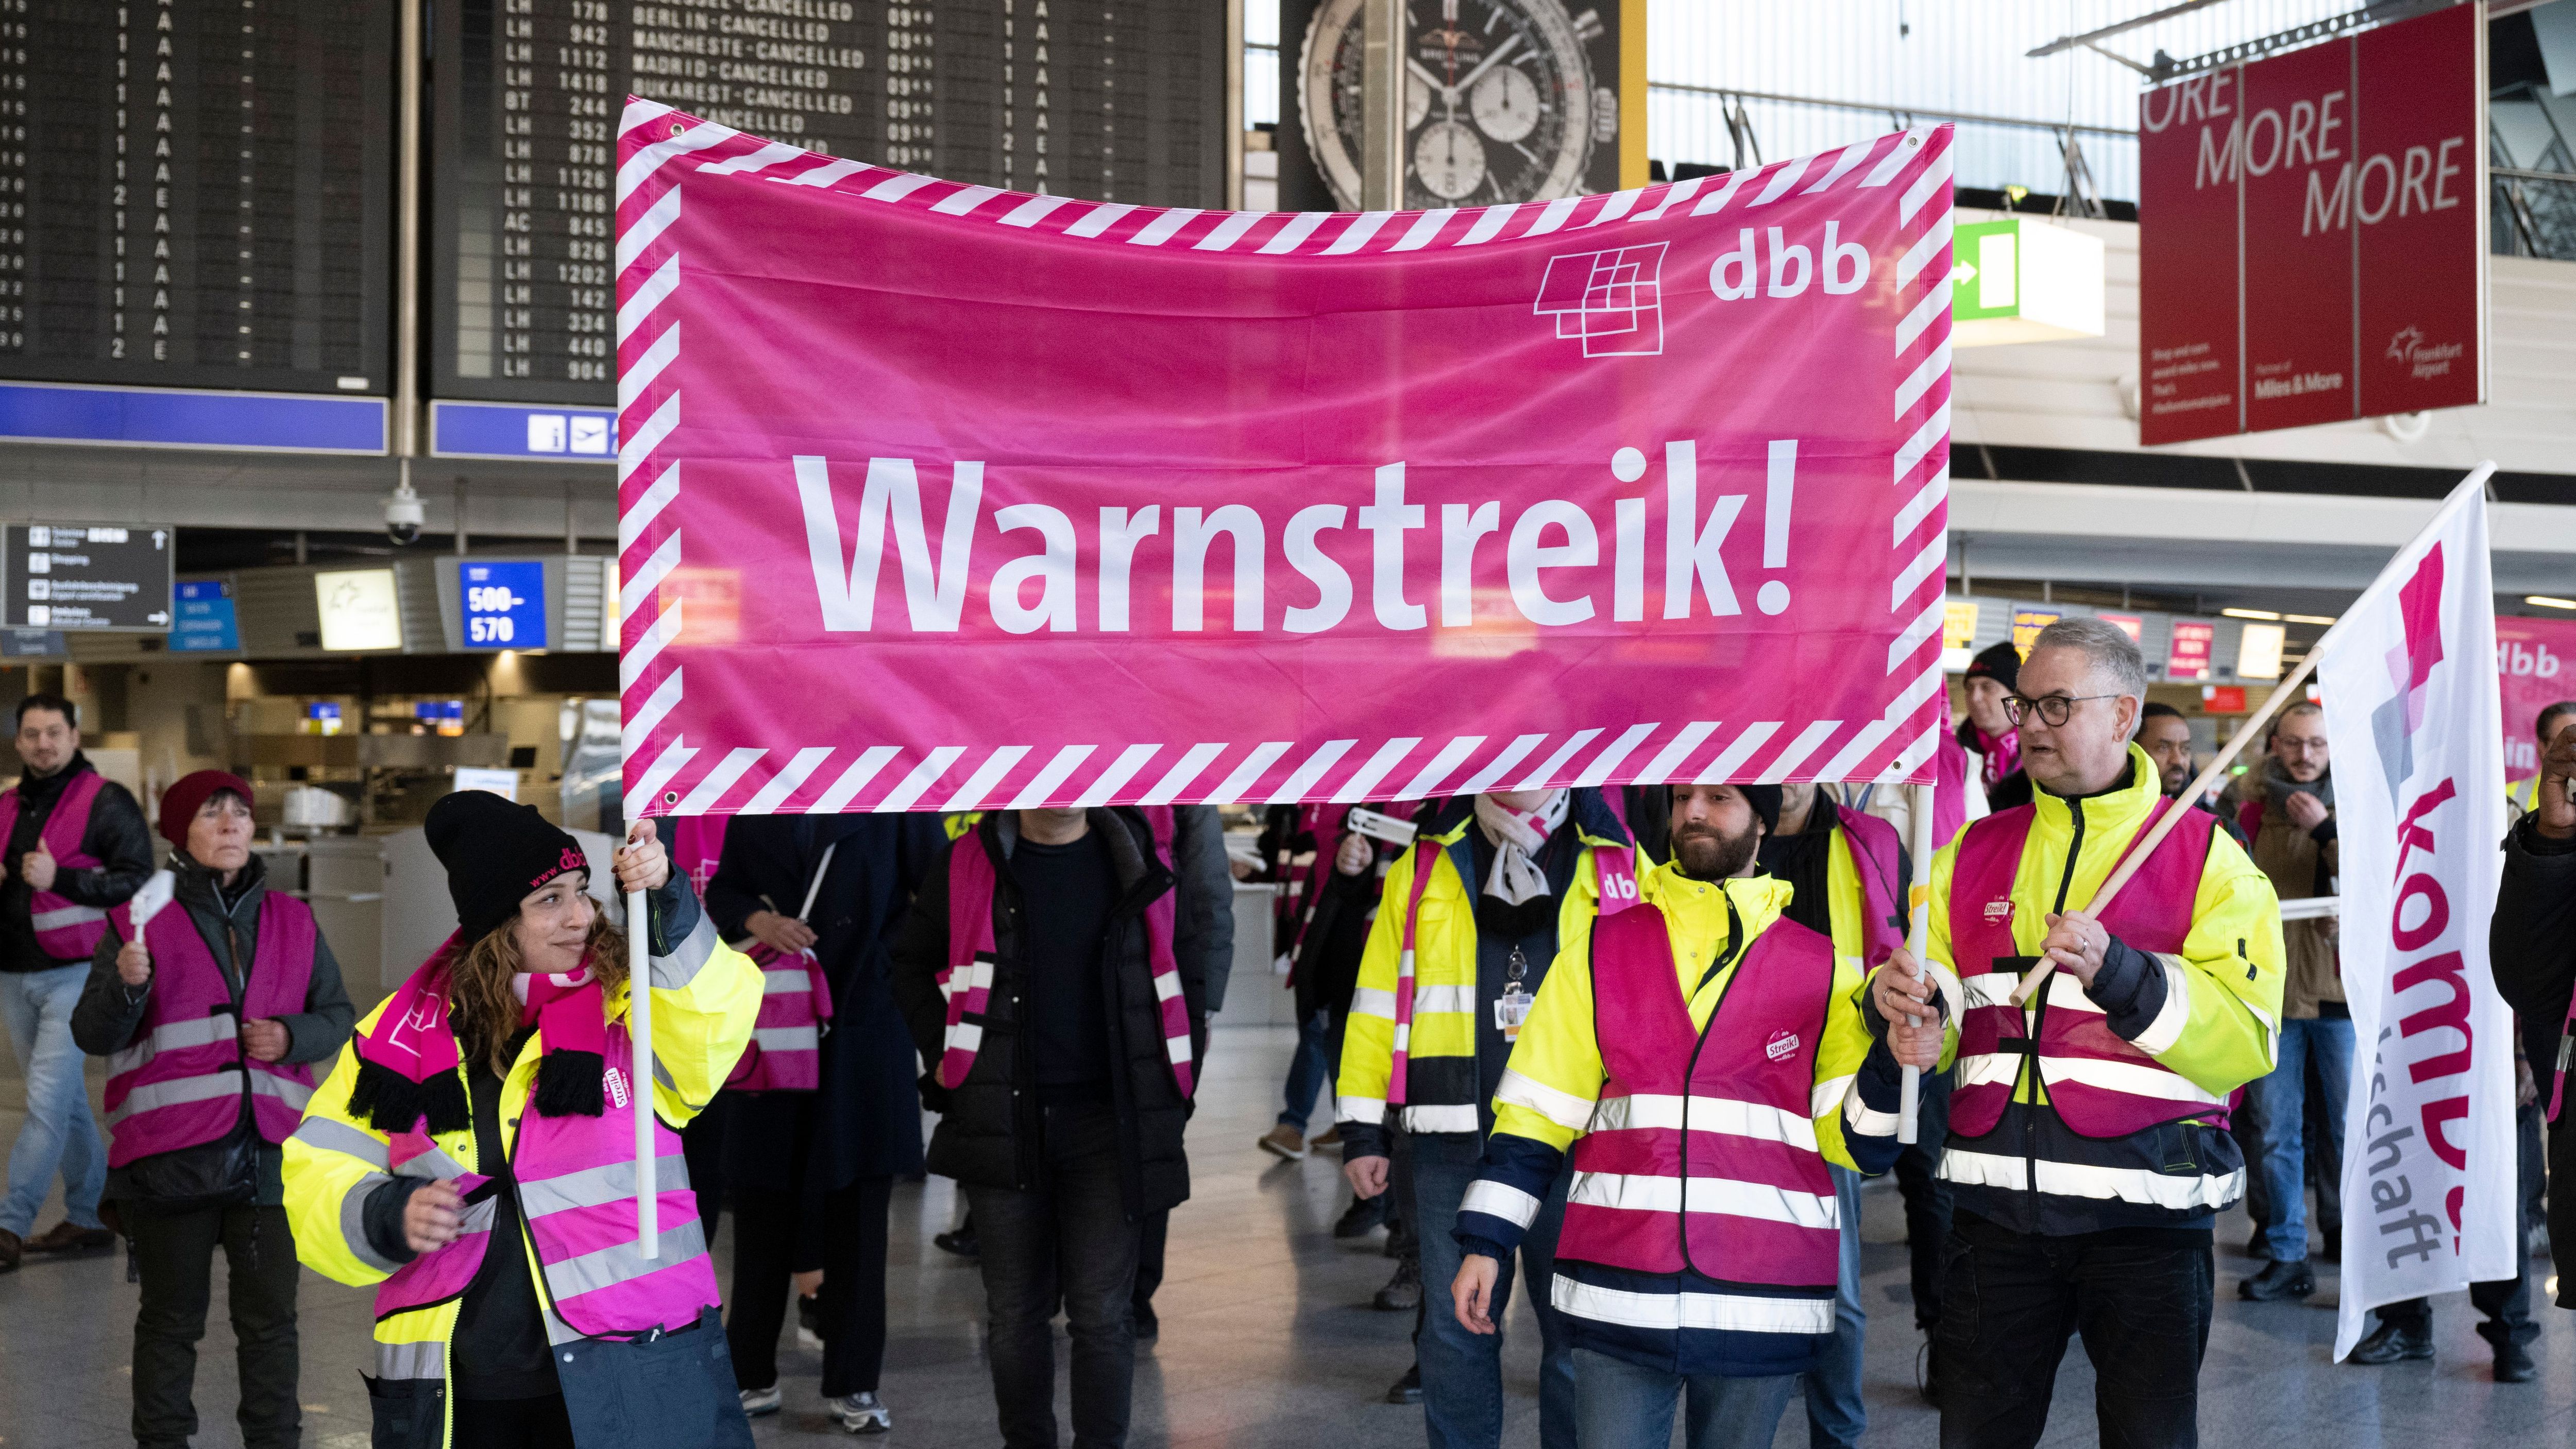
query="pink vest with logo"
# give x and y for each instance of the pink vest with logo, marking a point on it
(968, 981)
(2152, 913)
(181, 1082)
(1761, 1205)
(65, 929)
(576, 1186)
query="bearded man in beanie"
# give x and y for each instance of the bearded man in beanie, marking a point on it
(472, 1156)
(212, 1010)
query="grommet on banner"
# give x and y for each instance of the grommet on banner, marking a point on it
(670, 797)
(677, 128)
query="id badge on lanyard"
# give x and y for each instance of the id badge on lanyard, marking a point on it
(1512, 1008)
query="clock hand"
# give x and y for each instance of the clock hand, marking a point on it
(1423, 73)
(1489, 62)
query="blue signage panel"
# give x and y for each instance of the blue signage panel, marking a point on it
(507, 430)
(148, 417)
(206, 623)
(505, 604)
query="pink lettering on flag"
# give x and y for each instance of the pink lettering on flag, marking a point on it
(1027, 500)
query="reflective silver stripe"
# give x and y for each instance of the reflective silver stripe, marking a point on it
(353, 1222)
(1739, 1312)
(1371, 1110)
(792, 982)
(55, 920)
(619, 1262)
(1723, 1115)
(558, 1332)
(176, 1036)
(176, 1091)
(433, 1162)
(2133, 1079)
(2070, 1179)
(1989, 988)
(1827, 1095)
(1638, 1192)
(1565, 1109)
(1459, 1118)
(788, 1038)
(269, 1084)
(423, 1359)
(2166, 1029)
(590, 1187)
(1500, 1200)
(326, 1134)
(687, 958)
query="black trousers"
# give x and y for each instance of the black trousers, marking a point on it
(1927, 1198)
(1064, 1242)
(1153, 1232)
(2010, 1301)
(2506, 1302)
(513, 1423)
(176, 1257)
(774, 1237)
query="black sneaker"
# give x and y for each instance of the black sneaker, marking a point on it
(960, 1241)
(1927, 1377)
(1362, 1217)
(809, 1320)
(1403, 1292)
(2392, 1343)
(2279, 1280)
(1147, 1327)
(1408, 1389)
(2513, 1364)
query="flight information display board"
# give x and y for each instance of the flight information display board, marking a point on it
(1116, 100)
(197, 193)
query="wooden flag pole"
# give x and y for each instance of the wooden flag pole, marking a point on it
(2281, 698)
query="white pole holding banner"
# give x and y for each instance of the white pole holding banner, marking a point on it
(2282, 695)
(1918, 938)
(639, 1029)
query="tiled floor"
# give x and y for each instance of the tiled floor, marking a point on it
(1268, 1339)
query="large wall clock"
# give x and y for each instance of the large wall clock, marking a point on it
(1501, 101)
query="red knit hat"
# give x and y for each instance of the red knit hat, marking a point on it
(181, 802)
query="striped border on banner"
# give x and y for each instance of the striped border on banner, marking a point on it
(670, 776)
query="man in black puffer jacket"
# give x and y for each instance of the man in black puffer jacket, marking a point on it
(2533, 944)
(1063, 1083)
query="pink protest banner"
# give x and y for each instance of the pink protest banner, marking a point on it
(939, 497)
(2535, 668)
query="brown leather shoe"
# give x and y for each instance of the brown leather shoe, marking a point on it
(11, 1252)
(62, 1237)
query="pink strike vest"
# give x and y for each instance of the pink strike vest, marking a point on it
(181, 1082)
(2153, 913)
(1760, 1200)
(1880, 864)
(65, 929)
(968, 982)
(1612, 867)
(577, 1193)
(697, 847)
(785, 1053)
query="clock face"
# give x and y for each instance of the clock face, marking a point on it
(1499, 101)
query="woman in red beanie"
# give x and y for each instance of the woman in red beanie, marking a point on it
(211, 1010)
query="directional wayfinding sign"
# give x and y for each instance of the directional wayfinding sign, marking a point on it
(91, 577)
(505, 604)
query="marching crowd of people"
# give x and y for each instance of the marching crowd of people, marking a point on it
(1630, 1050)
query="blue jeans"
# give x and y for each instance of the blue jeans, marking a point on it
(1627, 1407)
(2281, 1097)
(1309, 1071)
(1462, 1372)
(59, 1132)
(1835, 1414)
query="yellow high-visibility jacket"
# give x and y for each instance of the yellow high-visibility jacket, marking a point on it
(2223, 1031)
(706, 996)
(1443, 1090)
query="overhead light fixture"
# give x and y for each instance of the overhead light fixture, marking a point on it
(2251, 614)
(2308, 618)
(2546, 602)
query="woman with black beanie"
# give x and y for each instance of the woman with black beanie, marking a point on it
(472, 1157)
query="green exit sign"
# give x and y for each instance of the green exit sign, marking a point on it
(2020, 279)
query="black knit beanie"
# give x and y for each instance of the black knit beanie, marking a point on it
(1765, 800)
(2000, 662)
(496, 852)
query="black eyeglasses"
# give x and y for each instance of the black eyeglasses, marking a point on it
(2052, 709)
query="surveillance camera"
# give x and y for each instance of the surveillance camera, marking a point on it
(403, 515)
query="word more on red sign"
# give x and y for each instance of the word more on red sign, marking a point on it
(2313, 234)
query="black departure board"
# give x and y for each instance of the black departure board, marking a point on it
(197, 193)
(1114, 100)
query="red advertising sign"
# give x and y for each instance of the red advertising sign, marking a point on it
(2313, 246)
(2223, 699)
(2188, 659)
(2536, 667)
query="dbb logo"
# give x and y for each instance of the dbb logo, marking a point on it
(2531, 662)
(1736, 275)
